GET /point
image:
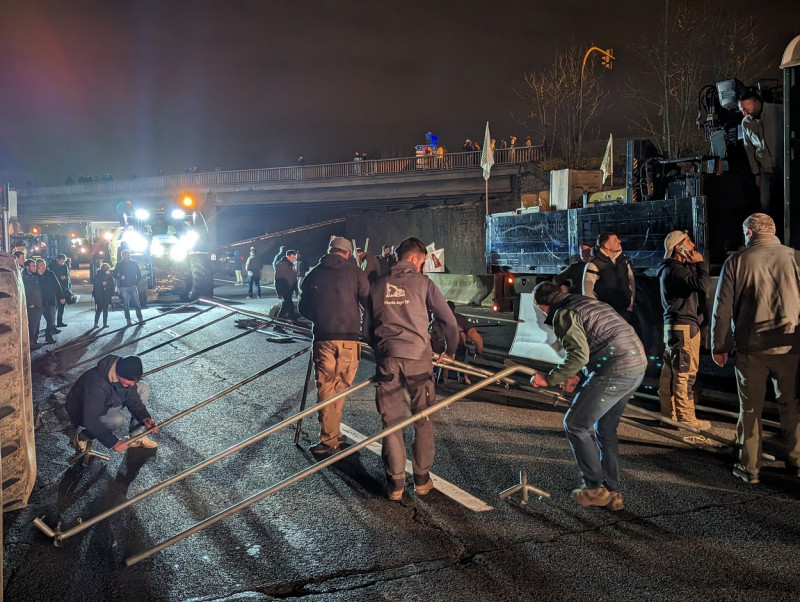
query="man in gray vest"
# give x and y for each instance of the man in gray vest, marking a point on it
(601, 343)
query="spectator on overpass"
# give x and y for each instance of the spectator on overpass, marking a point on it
(96, 400)
(605, 347)
(757, 314)
(396, 326)
(128, 277)
(331, 297)
(34, 300)
(52, 297)
(253, 267)
(683, 277)
(609, 277)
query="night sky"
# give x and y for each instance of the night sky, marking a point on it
(90, 87)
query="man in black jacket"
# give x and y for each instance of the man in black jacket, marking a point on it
(60, 268)
(286, 285)
(331, 296)
(96, 400)
(609, 277)
(33, 300)
(683, 276)
(52, 297)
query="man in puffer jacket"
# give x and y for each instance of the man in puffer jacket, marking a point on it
(331, 297)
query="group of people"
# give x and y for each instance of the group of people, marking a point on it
(755, 318)
(47, 290)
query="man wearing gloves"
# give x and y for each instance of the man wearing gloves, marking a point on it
(98, 397)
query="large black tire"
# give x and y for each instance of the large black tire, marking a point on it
(17, 446)
(202, 276)
(142, 291)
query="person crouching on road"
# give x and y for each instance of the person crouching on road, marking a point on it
(97, 398)
(396, 325)
(600, 341)
(331, 297)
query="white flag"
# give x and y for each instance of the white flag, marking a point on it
(487, 154)
(607, 166)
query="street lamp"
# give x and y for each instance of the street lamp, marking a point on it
(608, 62)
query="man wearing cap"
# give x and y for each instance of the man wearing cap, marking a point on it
(757, 314)
(604, 347)
(683, 277)
(286, 285)
(97, 398)
(331, 296)
(396, 326)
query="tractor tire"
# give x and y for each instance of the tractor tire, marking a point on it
(202, 276)
(17, 445)
(142, 292)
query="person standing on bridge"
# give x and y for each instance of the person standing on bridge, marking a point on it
(757, 315)
(396, 326)
(331, 296)
(599, 342)
(128, 277)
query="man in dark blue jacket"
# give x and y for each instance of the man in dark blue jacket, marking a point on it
(331, 297)
(396, 324)
(97, 398)
(128, 276)
(52, 297)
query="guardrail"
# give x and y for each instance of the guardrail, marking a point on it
(352, 169)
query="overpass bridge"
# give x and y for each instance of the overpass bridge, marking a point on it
(301, 188)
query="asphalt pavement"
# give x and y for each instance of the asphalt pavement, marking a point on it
(689, 530)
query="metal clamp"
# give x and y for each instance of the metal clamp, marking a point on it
(525, 488)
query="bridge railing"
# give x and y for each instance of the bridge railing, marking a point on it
(372, 167)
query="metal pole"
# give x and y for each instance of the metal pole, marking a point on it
(80, 341)
(324, 463)
(85, 524)
(299, 427)
(216, 396)
(187, 333)
(288, 325)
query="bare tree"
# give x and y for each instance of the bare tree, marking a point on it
(698, 44)
(561, 108)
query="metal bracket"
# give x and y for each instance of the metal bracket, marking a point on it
(525, 488)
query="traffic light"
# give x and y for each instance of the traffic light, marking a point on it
(608, 58)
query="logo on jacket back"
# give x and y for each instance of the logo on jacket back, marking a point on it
(395, 295)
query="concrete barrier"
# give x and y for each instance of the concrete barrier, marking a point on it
(533, 339)
(464, 289)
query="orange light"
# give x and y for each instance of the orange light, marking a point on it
(510, 280)
(188, 201)
(35, 230)
(495, 308)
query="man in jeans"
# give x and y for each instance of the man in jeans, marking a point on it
(599, 341)
(128, 276)
(757, 314)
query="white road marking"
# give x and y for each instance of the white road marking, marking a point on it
(444, 487)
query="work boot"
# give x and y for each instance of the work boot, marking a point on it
(703, 425)
(35, 346)
(145, 442)
(130, 323)
(395, 494)
(49, 341)
(591, 497)
(616, 501)
(425, 488)
(320, 450)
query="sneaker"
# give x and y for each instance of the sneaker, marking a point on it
(145, 442)
(56, 331)
(616, 501)
(703, 425)
(105, 325)
(341, 439)
(395, 495)
(35, 346)
(425, 488)
(322, 450)
(96, 325)
(749, 477)
(591, 497)
(49, 341)
(130, 323)
(61, 325)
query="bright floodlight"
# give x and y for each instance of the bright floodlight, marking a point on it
(178, 214)
(136, 242)
(107, 236)
(178, 253)
(142, 214)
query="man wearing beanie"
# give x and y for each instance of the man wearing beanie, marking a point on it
(331, 297)
(683, 277)
(97, 398)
